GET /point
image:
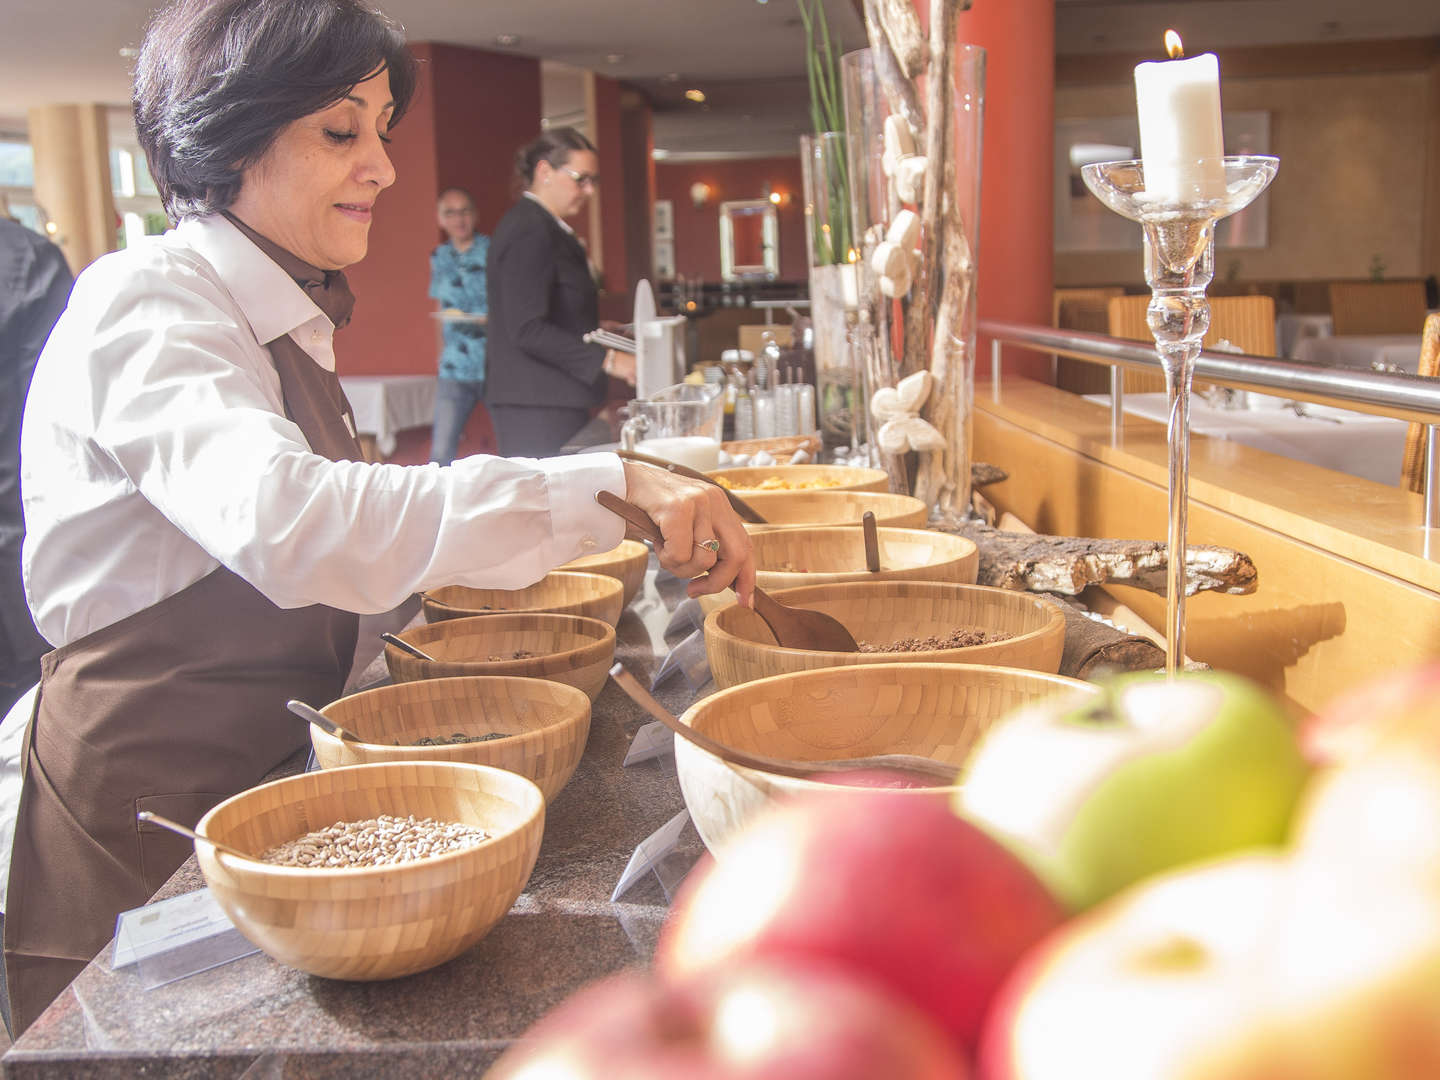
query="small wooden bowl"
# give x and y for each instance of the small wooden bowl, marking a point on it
(626, 564)
(545, 725)
(742, 649)
(825, 554)
(562, 592)
(788, 509)
(803, 477)
(568, 649)
(384, 921)
(938, 710)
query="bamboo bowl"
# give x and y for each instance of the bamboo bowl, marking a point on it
(803, 477)
(568, 649)
(562, 592)
(742, 649)
(826, 554)
(374, 922)
(938, 710)
(545, 725)
(625, 563)
(788, 509)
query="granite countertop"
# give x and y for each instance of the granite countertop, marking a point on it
(260, 1019)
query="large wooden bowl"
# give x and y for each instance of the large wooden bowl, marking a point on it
(742, 649)
(568, 649)
(562, 592)
(803, 477)
(625, 563)
(374, 922)
(785, 558)
(938, 710)
(544, 724)
(788, 509)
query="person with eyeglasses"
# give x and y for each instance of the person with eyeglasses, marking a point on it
(542, 378)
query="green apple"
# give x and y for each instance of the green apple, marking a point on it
(1154, 773)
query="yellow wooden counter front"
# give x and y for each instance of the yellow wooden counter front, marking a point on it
(1347, 588)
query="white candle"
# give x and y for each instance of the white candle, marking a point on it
(1180, 138)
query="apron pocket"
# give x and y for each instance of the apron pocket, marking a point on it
(162, 851)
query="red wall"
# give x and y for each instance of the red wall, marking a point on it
(697, 231)
(472, 111)
(1017, 247)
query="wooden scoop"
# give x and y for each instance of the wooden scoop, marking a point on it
(740, 506)
(930, 772)
(176, 827)
(872, 541)
(406, 647)
(320, 720)
(794, 628)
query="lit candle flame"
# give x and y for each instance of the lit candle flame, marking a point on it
(852, 256)
(1173, 45)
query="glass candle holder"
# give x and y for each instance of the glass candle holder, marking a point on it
(1179, 230)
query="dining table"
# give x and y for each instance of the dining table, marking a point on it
(1362, 445)
(1361, 352)
(385, 405)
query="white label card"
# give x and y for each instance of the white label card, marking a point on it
(147, 931)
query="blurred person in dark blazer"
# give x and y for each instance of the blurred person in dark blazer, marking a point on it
(34, 285)
(543, 379)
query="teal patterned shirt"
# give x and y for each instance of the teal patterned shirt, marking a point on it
(457, 280)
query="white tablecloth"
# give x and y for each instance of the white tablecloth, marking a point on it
(385, 404)
(1290, 330)
(1362, 445)
(1400, 351)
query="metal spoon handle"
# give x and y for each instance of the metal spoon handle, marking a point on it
(406, 647)
(320, 720)
(176, 827)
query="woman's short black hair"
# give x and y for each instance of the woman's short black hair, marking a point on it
(554, 145)
(217, 81)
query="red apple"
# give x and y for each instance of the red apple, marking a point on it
(754, 1022)
(1402, 704)
(894, 886)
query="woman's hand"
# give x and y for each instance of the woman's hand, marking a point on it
(689, 513)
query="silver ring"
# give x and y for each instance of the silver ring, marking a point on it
(712, 546)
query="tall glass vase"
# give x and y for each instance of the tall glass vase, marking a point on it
(825, 164)
(915, 164)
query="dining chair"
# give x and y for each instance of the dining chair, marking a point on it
(1412, 468)
(1082, 309)
(1246, 322)
(1362, 308)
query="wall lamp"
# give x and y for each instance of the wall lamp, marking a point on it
(699, 193)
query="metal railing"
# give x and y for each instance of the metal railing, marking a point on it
(1399, 395)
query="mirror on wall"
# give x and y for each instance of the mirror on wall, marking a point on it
(749, 240)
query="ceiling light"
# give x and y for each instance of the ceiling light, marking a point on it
(670, 76)
(505, 41)
(129, 52)
(615, 58)
(697, 96)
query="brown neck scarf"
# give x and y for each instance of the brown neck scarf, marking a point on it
(328, 288)
(313, 397)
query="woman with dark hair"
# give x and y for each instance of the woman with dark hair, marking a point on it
(201, 525)
(542, 378)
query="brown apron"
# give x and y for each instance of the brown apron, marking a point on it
(171, 709)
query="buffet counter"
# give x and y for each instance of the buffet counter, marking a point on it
(257, 1018)
(1349, 579)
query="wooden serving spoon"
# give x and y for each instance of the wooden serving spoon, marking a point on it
(927, 770)
(794, 628)
(176, 827)
(741, 507)
(872, 541)
(320, 720)
(406, 647)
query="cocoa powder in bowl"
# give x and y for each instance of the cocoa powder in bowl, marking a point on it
(960, 638)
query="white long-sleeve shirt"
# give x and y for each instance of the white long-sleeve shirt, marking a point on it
(155, 448)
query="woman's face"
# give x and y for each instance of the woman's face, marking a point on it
(566, 188)
(313, 191)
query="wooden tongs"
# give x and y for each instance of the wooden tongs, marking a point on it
(794, 628)
(739, 505)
